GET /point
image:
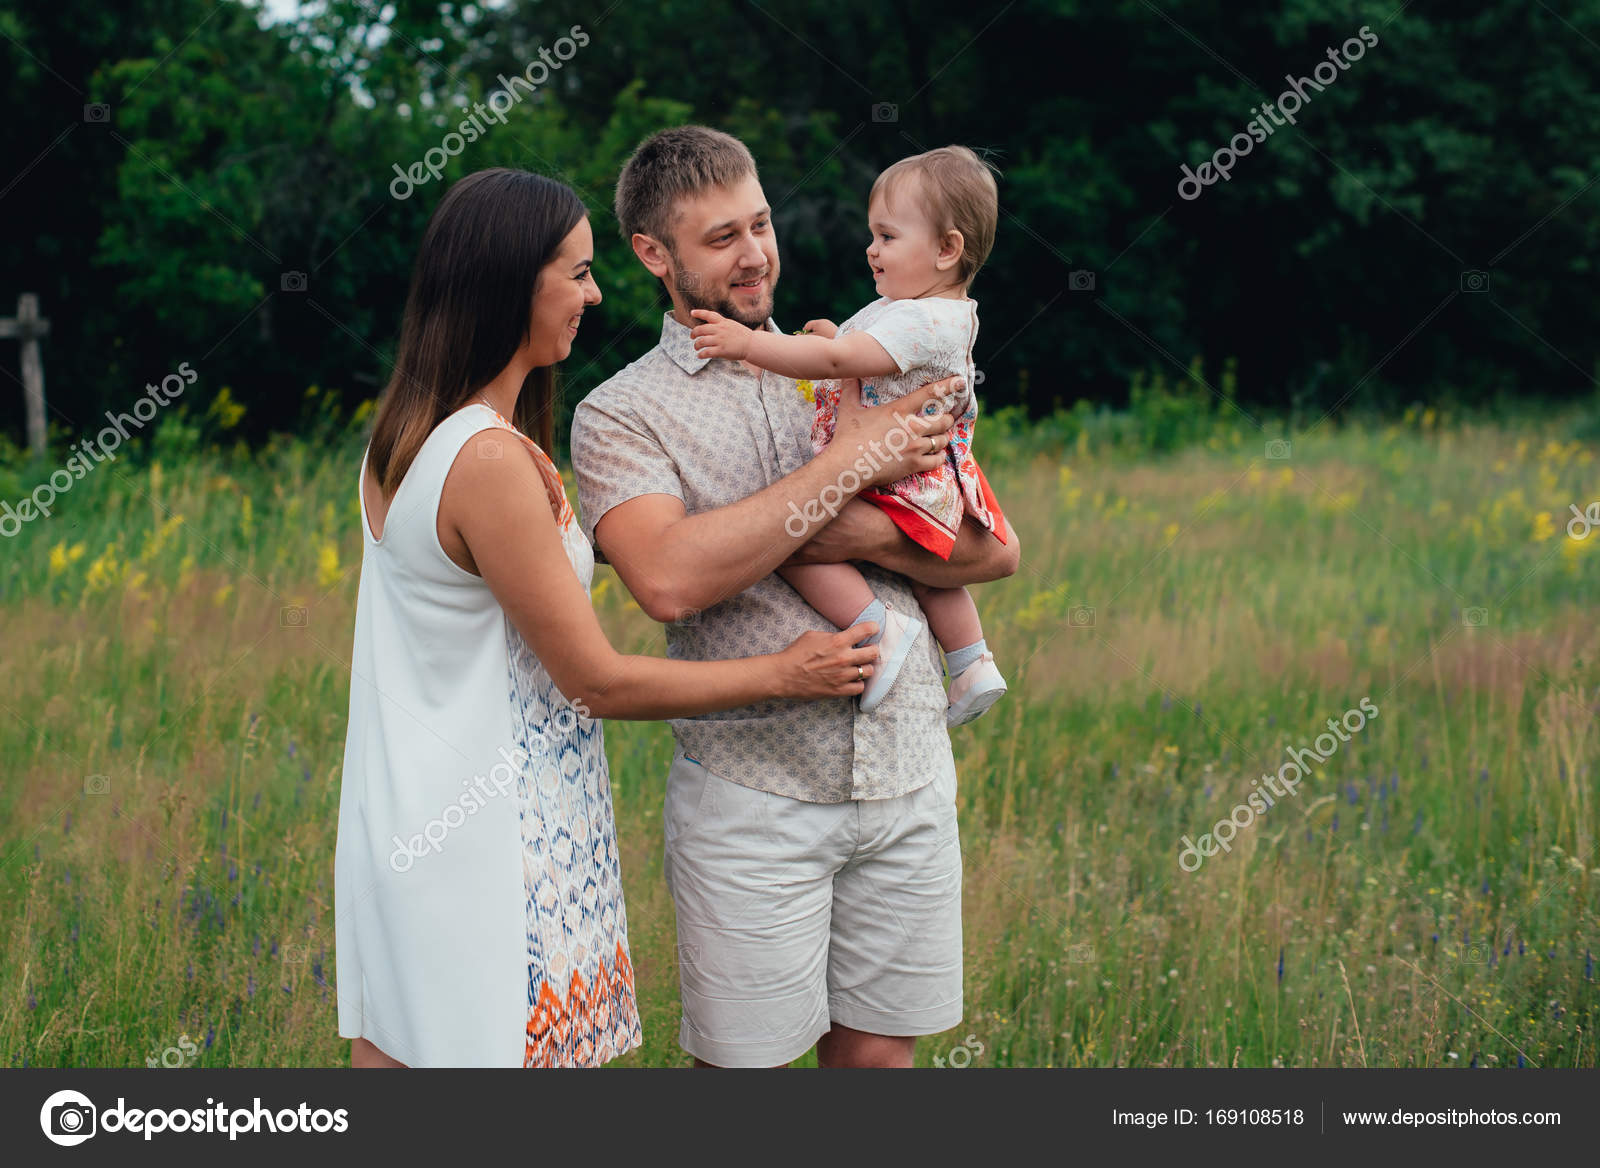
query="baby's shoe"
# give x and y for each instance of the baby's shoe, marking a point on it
(894, 642)
(974, 690)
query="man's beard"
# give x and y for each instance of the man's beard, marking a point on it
(752, 316)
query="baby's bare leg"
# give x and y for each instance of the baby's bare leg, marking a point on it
(952, 615)
(838, 591)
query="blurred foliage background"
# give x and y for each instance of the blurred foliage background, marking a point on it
(238, 146)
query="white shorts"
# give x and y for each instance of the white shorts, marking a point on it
(793, 916)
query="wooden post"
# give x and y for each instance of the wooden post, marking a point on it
(28, 326)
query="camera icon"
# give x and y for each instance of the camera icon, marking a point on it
(1080, 616)
(296, 954)
(1476, 953)
(97, 784)
(1475, 618)
(1081, 280)
(1473, 280)
(1081, 954)
(688, 954)
(292, 616)
(977, 378)
(687, 616)
(68, 1118)
(1278, 449)
(885, 112)
(491, 448)
(292, 282)
(99, 113)
(686, 281)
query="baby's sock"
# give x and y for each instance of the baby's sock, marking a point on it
(876, 613)
(958, 660)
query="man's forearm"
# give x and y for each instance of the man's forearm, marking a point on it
(702, 559)
(976, 558)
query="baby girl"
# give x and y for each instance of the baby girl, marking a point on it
(932, 219)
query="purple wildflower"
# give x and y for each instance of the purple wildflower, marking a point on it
(1280, 964)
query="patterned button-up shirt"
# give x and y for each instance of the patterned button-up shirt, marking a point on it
(710, 432)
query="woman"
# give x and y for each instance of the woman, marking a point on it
(478, 895)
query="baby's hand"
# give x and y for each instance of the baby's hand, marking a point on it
(822, 328)
(719, 336)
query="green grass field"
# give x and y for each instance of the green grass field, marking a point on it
(172, 717)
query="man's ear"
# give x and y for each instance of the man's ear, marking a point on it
(950, 249)
(652, 254)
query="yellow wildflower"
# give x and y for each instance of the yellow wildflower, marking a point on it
(62, 557)
(1543, 527)
(224, 409)
(157, 539)
(807, 390)
(327, 565)
(104, 572)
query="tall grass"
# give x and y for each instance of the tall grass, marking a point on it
(172, 718)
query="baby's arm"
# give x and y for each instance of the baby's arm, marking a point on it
(852, 355)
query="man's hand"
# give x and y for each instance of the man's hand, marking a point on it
(822, 328)
(885, 443)
(719, 336)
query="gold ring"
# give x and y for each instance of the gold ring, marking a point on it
(933, 444)
(861, 674)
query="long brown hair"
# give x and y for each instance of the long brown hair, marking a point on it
(469, 310)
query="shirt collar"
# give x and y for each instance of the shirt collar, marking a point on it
(677, 345)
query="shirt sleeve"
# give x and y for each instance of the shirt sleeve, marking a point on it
(616, 456)
(910, 332)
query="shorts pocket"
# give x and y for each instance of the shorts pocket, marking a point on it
(686, 785)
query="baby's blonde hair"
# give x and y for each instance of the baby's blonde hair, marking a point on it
(959, 192)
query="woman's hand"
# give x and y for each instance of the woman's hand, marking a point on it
(826, 665)
(885, 443)
(719, 336)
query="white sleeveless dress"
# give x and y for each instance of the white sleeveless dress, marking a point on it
(478, 903)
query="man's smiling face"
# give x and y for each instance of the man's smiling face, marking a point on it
(724, 254)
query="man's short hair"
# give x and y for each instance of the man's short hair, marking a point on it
(672, 165)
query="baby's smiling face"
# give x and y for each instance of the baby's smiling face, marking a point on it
(907, 258)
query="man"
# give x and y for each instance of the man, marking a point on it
(811, 849)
